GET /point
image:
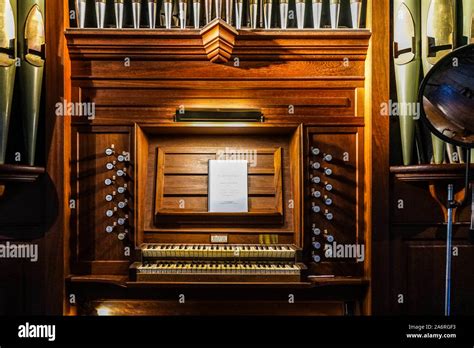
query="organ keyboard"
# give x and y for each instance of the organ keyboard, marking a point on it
(218, 251)
(220, 263)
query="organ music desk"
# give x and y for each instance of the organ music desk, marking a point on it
(141, 240)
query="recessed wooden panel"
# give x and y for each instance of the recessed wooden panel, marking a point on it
(191, 185)
(336, 102)
(345, 226)
(273, 179)
(198, 163)
(95, 249)
(191, 206)
(419, 256)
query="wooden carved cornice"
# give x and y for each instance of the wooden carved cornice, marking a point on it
(218, 39)
(308, 45)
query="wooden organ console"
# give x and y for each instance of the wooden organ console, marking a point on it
(140, 233)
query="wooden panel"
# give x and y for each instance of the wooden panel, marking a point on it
(419, 255)
(199, 204)
(52, 297)
(194, 70)
(335, 102)
(346, 147)
(419, 195)
(412, 203)
(199, 163)
(166, 308)
(175, 207)
(377, 163)
(192, 185)
(265, 144)
(92, 243)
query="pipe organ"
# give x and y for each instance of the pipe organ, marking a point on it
(251, 14)
(168, 100)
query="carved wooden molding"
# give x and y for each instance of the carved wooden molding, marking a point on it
(218, 39)
(430, 172)
(17, 174)
(256, 45)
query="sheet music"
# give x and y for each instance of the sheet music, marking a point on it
(228, 186)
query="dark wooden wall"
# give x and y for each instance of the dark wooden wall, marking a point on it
(418, 242)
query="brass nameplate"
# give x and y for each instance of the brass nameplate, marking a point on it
(219, 238)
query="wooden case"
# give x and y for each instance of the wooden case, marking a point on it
(171, 183)
(328, 77)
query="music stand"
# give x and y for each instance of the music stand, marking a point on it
(446, 97)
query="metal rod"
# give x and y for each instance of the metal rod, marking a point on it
(449, 252)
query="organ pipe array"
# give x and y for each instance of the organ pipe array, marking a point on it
(249, 14)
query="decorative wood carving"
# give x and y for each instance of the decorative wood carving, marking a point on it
(218, 39)
(261, 45)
